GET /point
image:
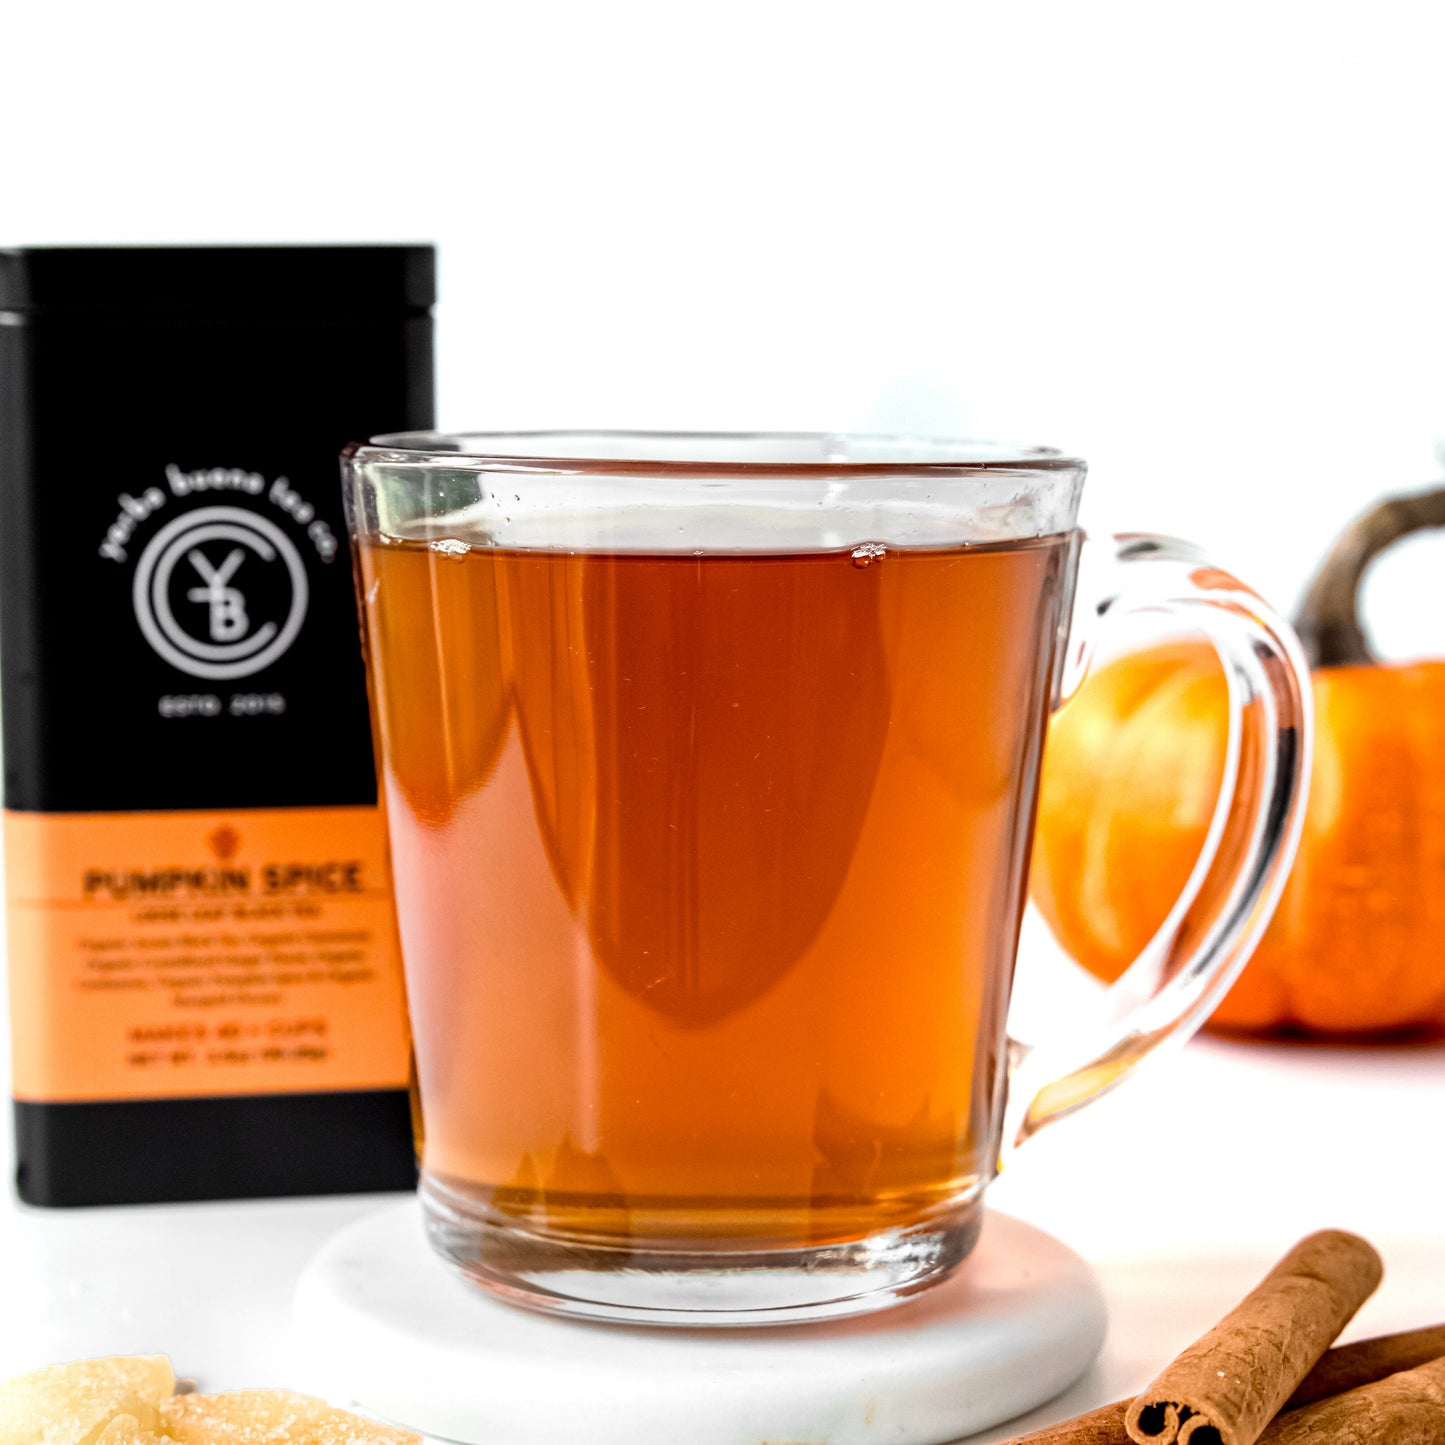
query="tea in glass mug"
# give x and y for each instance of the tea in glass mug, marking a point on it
(710, 766)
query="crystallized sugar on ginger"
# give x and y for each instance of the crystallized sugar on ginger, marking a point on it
(127, 1430)
(130, 1402)
(72, 1404)
(339, 1428)
(242, 1417)
(269, 1417)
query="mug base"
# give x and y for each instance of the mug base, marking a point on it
(701, 1288)
(385, 1326)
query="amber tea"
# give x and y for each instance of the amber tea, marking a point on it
(710, 871)
(710, 765)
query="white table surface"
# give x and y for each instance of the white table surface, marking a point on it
(1181, 1189)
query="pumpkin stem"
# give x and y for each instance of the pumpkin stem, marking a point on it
(1329, 618)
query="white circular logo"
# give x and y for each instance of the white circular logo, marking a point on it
(220, 592)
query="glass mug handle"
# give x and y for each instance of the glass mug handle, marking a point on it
(1202, 946)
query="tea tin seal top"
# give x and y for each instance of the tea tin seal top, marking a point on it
(301, 281)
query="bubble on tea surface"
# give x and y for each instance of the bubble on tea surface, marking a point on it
(868, 552)
(451, 546)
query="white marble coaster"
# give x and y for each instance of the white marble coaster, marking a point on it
(383, 1324)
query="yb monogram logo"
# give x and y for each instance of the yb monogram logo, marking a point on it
(227, 604)
(250, 601)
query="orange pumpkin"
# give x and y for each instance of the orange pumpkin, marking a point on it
(1132, 770)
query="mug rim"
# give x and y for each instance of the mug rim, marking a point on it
(605, 451)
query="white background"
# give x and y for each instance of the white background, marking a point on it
(1201, 244)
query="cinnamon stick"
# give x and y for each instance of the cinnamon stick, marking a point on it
(1227, 1386)
(1346, 1367)
(1403, 1409)
(1104, 1426)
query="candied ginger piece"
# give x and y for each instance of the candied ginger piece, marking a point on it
(242, 1417)
(72, 1404)
(270, 1417)
(127, 1430)
(339, 1428)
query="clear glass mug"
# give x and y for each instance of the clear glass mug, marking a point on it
(710, 767)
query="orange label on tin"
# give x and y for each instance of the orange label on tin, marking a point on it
(181, 954)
